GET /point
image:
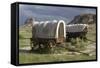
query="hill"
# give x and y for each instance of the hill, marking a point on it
(84, 19)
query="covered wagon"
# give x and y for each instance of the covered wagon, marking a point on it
(48, 33)
(76, 30)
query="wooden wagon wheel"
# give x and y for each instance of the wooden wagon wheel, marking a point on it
(33, 44)
(51, 44)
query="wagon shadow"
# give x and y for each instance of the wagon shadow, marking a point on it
(23, 50)
(34, 52)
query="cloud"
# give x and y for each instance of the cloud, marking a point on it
(92, 11)
(38, 11)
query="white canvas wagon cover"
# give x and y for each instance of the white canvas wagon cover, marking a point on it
(48, 29)
(76, 27)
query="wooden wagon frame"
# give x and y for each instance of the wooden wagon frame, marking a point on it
(49, 42)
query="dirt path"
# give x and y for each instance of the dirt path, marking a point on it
(90, 50)
(25, 48)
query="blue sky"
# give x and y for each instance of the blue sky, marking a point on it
(51, 12)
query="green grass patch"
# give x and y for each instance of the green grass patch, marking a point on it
(40, 58)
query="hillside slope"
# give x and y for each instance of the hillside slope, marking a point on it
(84, 19)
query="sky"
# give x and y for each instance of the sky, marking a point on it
(41, 13)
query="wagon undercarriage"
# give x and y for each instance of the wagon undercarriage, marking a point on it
(42, 43)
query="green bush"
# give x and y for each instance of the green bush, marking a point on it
(73, 41)
(76, 44)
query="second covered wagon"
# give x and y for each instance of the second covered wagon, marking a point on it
(76, 30)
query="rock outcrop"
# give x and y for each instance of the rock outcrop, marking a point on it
(84, 19)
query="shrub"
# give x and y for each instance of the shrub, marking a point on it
(76, 44)
(73, 41)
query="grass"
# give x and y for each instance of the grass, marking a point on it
(38, 58)
(77, 44)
